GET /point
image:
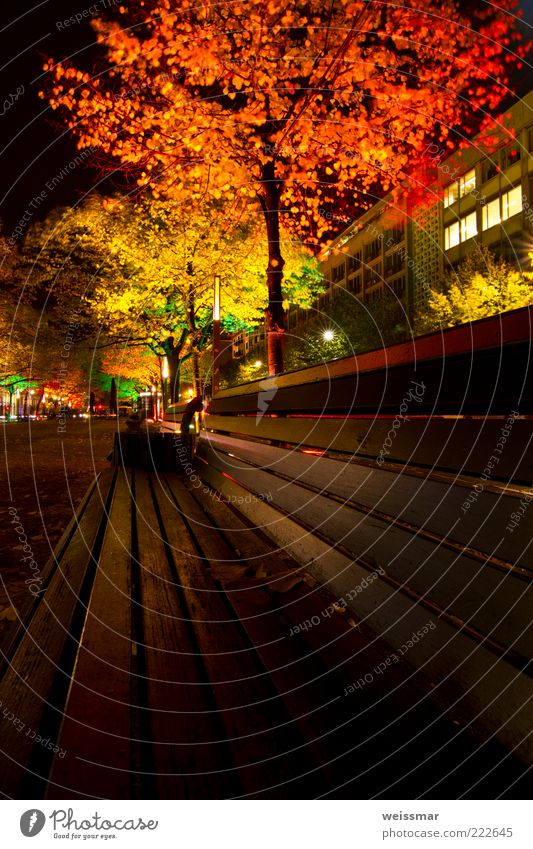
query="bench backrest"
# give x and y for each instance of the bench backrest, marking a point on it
(402, 479)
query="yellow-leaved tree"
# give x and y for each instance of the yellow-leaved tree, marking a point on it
(295, 106)
(143, 273)
(481, 286)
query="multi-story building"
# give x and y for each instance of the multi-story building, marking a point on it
(246, 341)
(408, 240)
(483, 194)
(371, 255)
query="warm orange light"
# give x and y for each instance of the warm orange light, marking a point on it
(216, 299)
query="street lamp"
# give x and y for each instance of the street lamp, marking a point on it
(216, 335)
(165, 374)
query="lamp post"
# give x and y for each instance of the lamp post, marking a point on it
(165, 374)
(216, 335)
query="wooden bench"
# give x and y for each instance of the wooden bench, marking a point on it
(239, 630)
(167, 445)
(176, 653)
(401, 479)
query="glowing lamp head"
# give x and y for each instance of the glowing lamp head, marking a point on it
(328, 336)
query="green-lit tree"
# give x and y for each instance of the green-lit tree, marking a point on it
(141, 274)
(294, 106)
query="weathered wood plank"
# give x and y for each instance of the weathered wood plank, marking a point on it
(14, 635)
(265, 741)
(466, 679)
(190, 755)
(498, 604)
(305, 684)
(40, 666)
(96, 728)
(431, 505)
(449, 444)
(455, 385)
(493, 332)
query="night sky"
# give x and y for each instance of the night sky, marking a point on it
(33, 149)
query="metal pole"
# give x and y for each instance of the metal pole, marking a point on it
(216, 335)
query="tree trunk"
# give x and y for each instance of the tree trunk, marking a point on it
(113, 406)
(274, 315)
(174, 367)
(196, 377)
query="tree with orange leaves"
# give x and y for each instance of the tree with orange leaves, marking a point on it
(296, 105)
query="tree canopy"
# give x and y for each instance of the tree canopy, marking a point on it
(294, 106)
(141, 273)
(481, 286)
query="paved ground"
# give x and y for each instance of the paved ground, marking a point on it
(44, 476)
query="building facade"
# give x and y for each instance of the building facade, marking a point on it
(481, 195)
(407, 241)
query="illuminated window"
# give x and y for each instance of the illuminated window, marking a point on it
(372, 250)
(467, 183)
(451, 236)
(468, 226)
(394, 262)
(354, 284)
(500, 209)
(511, 203)
(373, 275)
(398, 286)
(396, 233)
(463, 186)
(451, 194)
(491, 214)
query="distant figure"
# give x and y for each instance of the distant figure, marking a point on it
(134, 422)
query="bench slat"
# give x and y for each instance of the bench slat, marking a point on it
(261, 732)
(309, 689)
(39, 666)
(425, 503)
(455, 582)
(449, 444)
(466, 679)
(96, 725)
(189, 752)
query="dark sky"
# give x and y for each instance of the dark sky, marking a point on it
(33, 150)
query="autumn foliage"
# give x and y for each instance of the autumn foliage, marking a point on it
(296, 107)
